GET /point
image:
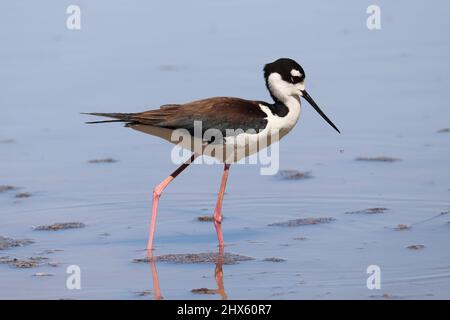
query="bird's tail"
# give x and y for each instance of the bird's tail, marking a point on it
(120, 117)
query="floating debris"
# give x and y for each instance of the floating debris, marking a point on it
(6, 188)
(60, 226)
(278, 294)
(294, 174)
(25, 263)
(255, 241)
(444, 130)
(7, 141)
(369, 211)
(105, 234)
(103, 160)
(53, 264)
(379, 159)
(203, 291)
(207, 257)
(205, 218)
(274, 259)
(385, 296)
(170, 67)
(302, 222)
(6, 243)
(50, 251)
(401, 227)
(43, 274)
(416, 246)
(143, 293)
(23, 195)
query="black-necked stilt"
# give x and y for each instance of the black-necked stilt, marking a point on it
(257, 120)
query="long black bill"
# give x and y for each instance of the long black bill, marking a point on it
(316, 107)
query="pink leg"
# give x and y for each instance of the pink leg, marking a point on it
(218, 210)
(157, 194)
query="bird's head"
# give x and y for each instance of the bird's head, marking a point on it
(285, 79)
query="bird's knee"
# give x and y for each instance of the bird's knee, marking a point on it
(157, 191)
(217, 219)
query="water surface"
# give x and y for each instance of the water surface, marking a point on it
(386, 90)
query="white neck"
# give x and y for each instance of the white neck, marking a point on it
(286, 123)
(295, 107)
(292, 103)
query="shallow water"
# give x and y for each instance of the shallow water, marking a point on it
(386, 91)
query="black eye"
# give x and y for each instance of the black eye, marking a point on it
(296, 79)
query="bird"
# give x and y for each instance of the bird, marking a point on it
(239, 127)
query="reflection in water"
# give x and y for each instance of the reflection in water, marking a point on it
(156, 290)
(218, 276)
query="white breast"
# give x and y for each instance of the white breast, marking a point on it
(277, 127)
(286, 123)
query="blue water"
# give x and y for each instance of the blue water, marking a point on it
(385, 89)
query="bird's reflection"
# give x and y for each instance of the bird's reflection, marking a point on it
(156, 289)
(218, 276)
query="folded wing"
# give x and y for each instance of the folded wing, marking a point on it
(219, 113)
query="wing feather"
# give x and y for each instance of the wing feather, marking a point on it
(219, 113)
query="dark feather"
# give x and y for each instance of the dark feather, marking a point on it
(214, 113)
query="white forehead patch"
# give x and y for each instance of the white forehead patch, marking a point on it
(295, 73)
